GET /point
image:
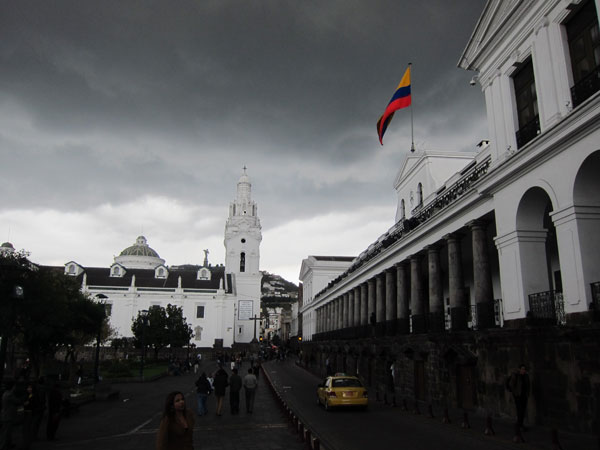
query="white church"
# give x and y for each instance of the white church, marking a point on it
(219, 302)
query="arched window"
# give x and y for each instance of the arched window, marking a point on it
(71, 269)
(116, 270)
(402, 210)
(242, 262)
(419, 194)
(161, 272)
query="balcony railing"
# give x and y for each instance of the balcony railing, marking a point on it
(481, 314)
(528, 131)
(586, 87)
(547, 308)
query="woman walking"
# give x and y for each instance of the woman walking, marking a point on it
(220, 385)
(176, 426)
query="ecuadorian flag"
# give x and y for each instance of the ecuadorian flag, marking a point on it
(400, 99)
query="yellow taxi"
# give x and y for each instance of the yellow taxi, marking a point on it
(342, 390)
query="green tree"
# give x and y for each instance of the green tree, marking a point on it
(50, 311)
(55, 313)
(179, 331)
(165, 327)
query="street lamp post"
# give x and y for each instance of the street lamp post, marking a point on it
(102, 300)
(144, 316)
(16, 294)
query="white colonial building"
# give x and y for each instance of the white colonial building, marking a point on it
(217, 301)
(494, 258)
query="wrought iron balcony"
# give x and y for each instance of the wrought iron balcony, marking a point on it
(528, 131)
(586, 87)
(486, 315)
(547, 308)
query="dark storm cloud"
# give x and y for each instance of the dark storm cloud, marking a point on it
(148, 97)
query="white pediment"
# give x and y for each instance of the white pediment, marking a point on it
(493, 18)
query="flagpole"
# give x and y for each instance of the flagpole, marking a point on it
(412, 137)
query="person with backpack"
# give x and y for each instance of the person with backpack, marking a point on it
(203, 390)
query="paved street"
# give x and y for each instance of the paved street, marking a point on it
(131, 421)
(391, 427)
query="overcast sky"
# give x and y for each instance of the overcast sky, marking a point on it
(120, 118)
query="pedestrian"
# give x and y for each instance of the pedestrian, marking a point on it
(328, 369)
(518, 384)
(196, 366)
(250, 385)
(232, 364)
(256, 369)
(10, 404)
(33, 411)
(176, 428)
(203, 390)
(220, 384)
(55, 400)
(79, 374)
(235, 385)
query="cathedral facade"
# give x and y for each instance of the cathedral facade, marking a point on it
(220, 302)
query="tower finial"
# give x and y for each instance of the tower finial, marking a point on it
(244, 169)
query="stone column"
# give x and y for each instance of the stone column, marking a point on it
(380, 304)
(390, 301)
(371, 303)
(364, 304)
(482, 277)
(456, 290)
(436, 293)
(344, 300)
(402, 297)
(356, 306)
(351, 308)
(417, 303)
(330, 316)
(340, 313)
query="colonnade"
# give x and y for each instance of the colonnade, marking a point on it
(403, 298)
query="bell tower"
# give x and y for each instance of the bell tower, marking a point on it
(242, 258)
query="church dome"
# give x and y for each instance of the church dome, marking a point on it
(140, 248)
(139, 256)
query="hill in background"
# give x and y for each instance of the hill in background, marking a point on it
(277, 290)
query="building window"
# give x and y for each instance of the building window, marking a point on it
(420, 194)
(402, 210)
(116, 271)
(108, 309)
(584, 47)
(526, 100)
(71, 269)
(200, 312)
(242, 262)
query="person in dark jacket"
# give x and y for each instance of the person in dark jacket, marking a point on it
(33, 411)
(203, 390)
(10, 403)
(55, 401)
(519, 386)
(235, 386)
(220, 384)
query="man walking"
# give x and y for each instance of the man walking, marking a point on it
(235, 385)
(250, 384)
(518, 385)
(203, 390)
